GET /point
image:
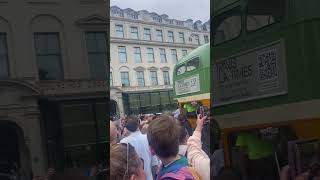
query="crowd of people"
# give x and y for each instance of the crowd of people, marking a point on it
(166, 147)
(162, 147)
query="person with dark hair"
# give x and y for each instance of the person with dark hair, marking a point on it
(183, 141)
(229, 174)
(218, 158)
(182, 119)
(163, 137)
(125, 163)
(140, 143)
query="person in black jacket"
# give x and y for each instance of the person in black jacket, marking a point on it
(185, 123)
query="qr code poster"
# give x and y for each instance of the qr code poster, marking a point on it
(268, 70)
(253, 74)
(267, 65)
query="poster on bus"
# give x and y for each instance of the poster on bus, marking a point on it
(254, 74)
(187, 85)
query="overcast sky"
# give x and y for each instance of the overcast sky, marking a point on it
(175, 9)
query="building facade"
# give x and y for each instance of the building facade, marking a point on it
(144, 47)
(53, 64)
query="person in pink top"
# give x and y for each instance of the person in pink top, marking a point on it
(196, 156)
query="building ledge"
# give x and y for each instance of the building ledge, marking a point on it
(56, 2)
(144, 88)
(69, 87)
(152, 43)
(156, 24)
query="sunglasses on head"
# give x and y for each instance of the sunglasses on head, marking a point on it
(127, 157)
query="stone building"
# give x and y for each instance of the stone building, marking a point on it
(53, 100)
(144, 47)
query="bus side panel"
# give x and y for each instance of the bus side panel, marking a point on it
(308, 129)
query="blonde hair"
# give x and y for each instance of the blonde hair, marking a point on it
(120, 160)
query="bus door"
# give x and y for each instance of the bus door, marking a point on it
(260, 152)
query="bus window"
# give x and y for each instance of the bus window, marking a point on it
(181, 69)
(193, 64)
(262, 13)
(228, 26)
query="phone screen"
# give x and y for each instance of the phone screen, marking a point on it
(201, 112)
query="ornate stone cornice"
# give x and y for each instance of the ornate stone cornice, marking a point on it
(139, 68)
(51, 2)
(144, 16)
(165, 68)
(140, 89)
(73, 87)
(20, 84)
(158, 24)
(153, 68)
(93, 21)
(152, 43)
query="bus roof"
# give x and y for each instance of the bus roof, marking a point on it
(196, 52)
(220, 4)
(202, 72)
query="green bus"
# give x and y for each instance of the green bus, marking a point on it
(265, 73)
(191, 78)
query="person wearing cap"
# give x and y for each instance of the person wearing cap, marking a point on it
(140, 142)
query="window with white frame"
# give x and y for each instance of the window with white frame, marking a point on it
(174, 56)
(184, 52)
(119, 31)
(140, 78)
(163, 57)
(147, 34)
(154, 78)
(134, 33)
(4, 60)
(159, 35)
(150, 55)
(137, 54)
(170, 36)
(97, 54)
(166, 77)
(125, 79)
(48, 53)
(122, 54)
(181, 37)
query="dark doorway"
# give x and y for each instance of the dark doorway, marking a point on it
(9, 147)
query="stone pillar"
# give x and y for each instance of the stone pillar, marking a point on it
(35, 144)
(120, 104)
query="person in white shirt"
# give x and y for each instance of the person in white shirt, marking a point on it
(140, 142)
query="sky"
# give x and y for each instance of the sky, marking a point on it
(175, 9)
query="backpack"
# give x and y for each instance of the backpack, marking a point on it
(184, 173)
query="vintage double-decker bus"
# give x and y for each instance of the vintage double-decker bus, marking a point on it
(265, 75)
(191, 80)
